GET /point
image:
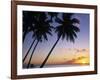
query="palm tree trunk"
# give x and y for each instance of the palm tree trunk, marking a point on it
(28, 50)
(32, 54)
(49, 53)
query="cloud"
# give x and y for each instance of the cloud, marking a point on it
(79, 58)
(81, 50)
(75, 59)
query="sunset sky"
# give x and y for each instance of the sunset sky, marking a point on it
(65, 52)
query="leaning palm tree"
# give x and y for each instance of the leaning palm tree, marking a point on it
(29, 19)
(66, 29)
(41, 29)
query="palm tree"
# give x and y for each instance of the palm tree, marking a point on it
(29, 19)
(66, 29)
(41, 29)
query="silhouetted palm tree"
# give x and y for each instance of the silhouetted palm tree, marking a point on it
(29, 19)
(66, 29)
(41, 29)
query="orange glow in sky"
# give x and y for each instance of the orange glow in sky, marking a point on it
(65, 56)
